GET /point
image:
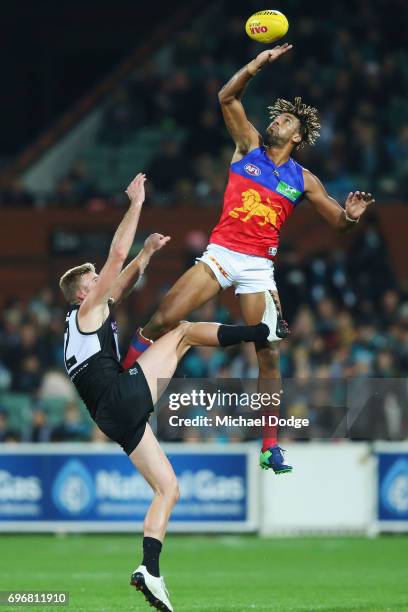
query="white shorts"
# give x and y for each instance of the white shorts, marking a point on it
(247, 273)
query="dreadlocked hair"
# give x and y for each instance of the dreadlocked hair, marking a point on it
(307, 115)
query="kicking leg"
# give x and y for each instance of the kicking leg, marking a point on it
(150, 460)
(192, 290)
(160, 361)
(159, 364)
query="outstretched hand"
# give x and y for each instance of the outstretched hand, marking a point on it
(155, 242)
(270, 55)
(136, 190)
(357, 203)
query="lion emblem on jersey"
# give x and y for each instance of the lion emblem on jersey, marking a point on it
(252, 206)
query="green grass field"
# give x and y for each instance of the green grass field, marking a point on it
(220, 573)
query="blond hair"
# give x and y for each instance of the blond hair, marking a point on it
(69, 282)
(307, 115)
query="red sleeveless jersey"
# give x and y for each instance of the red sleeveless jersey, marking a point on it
(258, 199)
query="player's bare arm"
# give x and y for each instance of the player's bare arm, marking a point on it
(341, 219)
(244, 134)
(129, 276)
(94, 308)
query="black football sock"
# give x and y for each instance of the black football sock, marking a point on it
(233, 334)
(151, 554)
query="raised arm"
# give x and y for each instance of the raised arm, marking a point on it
(341, 219)
(133, 271)
(243, 133)
(93, 309)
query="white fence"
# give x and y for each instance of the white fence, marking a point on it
(331, 489)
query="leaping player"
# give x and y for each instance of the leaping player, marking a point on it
(120, 401)
(265, 186)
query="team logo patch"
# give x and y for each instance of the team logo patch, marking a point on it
(252, 170)
(252, 206)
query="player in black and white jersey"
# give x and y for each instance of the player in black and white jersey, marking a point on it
(120, 401)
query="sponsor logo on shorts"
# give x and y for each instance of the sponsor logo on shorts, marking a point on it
(252, 169)
(133, 371)
(220, 268)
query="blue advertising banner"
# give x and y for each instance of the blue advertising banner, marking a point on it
(78, 486)
(392, 496)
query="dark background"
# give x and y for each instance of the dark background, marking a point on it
(53, 52)
(345, 297)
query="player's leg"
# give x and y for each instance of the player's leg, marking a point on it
(150, 460)
(152, 463)
(160, 361)
(198, 285)
(158, 365)
(269, 381)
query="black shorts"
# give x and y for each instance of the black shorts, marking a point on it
(124, 410)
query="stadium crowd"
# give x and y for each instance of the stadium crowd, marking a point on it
(349, 320)
(351, 65)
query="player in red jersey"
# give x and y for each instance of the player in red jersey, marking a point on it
(265, 185)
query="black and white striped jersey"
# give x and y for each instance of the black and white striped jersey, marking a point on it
(92, 360)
